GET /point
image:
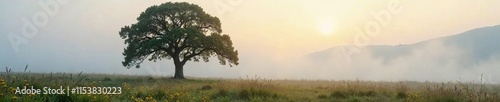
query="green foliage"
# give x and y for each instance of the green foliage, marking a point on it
(322, 96)
(140, 94)
(354, 99)
(221, 93)
(60, 98)
(254, 93)
(352, 93)
(140, 89)
(106, 79)
(401, 95)
(244, 94)
(206, 87)
(370, 93)
(160, 95)
(178, 31)
(338, 94)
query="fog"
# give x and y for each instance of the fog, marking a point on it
(272, 43)
(461, 57)
(431, 62)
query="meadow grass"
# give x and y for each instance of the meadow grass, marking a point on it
(255, 89)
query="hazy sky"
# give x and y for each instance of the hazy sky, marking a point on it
(83, 34)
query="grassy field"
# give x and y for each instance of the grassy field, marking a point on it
(150, 89)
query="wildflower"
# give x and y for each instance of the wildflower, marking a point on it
(12, 89)
(139, 100)
(14, 97)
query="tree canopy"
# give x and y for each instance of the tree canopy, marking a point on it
(179, 31)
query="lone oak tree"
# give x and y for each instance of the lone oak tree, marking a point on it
(179, 31)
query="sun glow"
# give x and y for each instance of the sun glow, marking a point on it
(327, 27)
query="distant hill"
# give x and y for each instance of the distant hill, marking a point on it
(475, 46)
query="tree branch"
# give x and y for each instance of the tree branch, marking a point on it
(188, 57)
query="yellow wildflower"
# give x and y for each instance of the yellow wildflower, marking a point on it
(12, 90)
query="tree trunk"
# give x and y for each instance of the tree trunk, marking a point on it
(179, 70)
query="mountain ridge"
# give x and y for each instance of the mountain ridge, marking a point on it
(478, 45)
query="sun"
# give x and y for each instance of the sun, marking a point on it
(326, 27)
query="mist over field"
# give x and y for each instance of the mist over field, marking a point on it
(84, 37)
(461, 57)
(443, 59)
